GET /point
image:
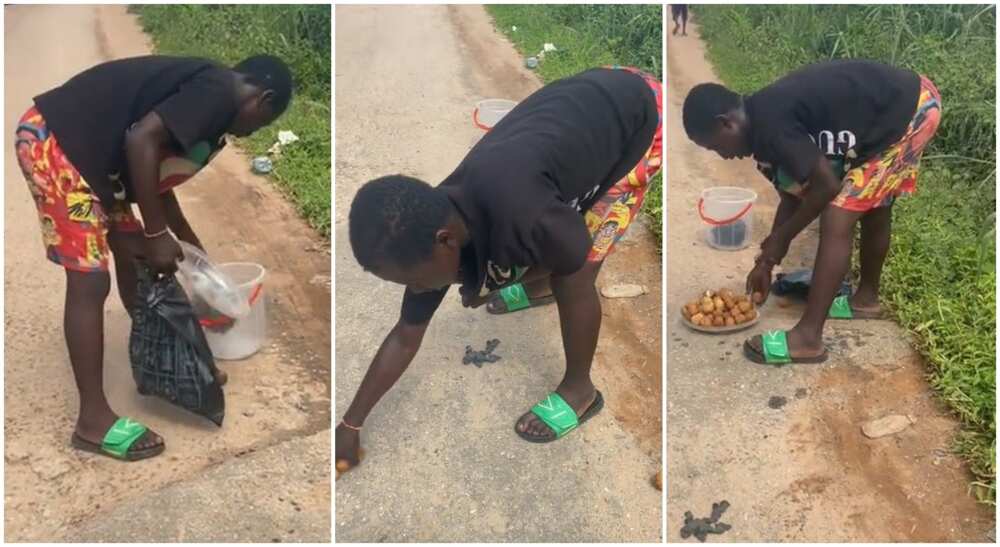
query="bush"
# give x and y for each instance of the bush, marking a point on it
(300, 35)
(940, 278)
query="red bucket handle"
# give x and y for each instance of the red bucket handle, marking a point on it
(713, 222)
(475, 120)
(222, 320)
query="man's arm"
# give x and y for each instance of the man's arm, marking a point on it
(759, 278)
(142, 143)
(393, 357)
(823, 186)
(178, 222)
(786, 207)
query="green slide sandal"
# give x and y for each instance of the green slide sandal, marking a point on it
(514, 298)
(118, 441)
(556, 413)
(774, 350)
(841, 309)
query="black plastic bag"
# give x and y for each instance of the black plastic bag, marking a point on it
(797, 284)
(169, 354)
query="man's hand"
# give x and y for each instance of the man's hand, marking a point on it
(162, 253)
(774, 248)
(177, 221)
(348, 448)
(759, 280)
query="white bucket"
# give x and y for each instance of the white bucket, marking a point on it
(245, 335)
(727, 213)
(489, 112)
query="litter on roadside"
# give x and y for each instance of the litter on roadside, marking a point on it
(479, 357)
(623, 291)
(262, 165)
(886, 425)
(701, 527)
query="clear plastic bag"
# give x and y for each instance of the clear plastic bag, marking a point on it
(210, 284)
(168, 351)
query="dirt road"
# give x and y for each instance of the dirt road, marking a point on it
(443, 462)
(803, 472)
(282, 394)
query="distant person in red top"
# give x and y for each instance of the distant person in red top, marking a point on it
(125, 132)
(679, 12)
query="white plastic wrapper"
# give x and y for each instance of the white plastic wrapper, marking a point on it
(211, 285)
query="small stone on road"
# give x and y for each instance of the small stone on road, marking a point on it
(623, 291)
(887, 425)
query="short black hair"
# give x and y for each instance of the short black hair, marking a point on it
(395, 219)
(269, 72)
(703, 103)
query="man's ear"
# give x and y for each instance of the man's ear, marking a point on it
(445, 237)
(726, 122)
(267, 98)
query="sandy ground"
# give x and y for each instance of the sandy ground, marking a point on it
(803, 472)
(443, 463)
(281, 394)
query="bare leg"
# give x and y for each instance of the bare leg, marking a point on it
(876, 228)
(83, 324)
(577, 299)
(833, 259)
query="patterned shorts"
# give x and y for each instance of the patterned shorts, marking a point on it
(74, 223)
(609, 218)
(880, 180)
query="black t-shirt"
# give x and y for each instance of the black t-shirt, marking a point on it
(91, 113)
(849, 109)
(522, 188)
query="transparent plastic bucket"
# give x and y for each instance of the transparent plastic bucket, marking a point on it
(727, 212)
(234, 339)
(489, 112)
(210, 283)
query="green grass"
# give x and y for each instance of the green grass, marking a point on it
(298, 34)
(940, 278)
(589, 36)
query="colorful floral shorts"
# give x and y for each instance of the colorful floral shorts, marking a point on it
(74, 223)
(609, 218)
(880, 180)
